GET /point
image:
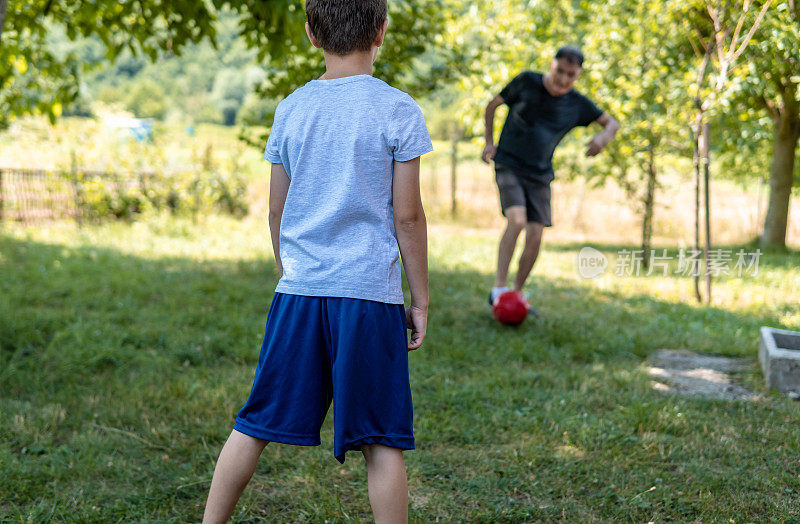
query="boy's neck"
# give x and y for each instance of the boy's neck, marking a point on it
(355, 63)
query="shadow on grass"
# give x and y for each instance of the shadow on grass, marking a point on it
(68, 312)
(73, 311)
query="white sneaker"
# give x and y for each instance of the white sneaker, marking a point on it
(496, 292)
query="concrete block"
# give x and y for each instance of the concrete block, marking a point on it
(779, 354)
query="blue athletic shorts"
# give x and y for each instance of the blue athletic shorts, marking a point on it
(318, 349)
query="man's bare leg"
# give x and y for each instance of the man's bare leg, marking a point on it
(533, 239)
(235, 466)
(516, 220)
(386, 483)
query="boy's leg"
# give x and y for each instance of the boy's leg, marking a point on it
(386, 483)
(533, 239)
(516, 223)
(235, 466)
(372, 404)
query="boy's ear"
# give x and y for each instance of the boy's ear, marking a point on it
(311, 37)
(381, 33)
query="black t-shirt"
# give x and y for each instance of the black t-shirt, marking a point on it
(536, 123)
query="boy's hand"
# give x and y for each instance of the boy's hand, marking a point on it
(417, 321)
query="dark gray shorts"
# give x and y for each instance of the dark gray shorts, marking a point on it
(516, 189)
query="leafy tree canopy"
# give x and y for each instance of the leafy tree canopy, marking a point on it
(34, 79)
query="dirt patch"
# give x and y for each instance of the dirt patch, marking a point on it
(692, 374)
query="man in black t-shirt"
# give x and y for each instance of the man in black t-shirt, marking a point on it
(542, 109)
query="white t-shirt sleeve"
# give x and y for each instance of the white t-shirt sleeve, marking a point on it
(408, 135)
(273, 149)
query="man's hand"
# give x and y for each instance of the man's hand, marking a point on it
(601, 140)
(417, 321)
(488, 152)
(595, 146)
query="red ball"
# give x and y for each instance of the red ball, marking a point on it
(510, 308)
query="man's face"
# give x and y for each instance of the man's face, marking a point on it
(563, 75)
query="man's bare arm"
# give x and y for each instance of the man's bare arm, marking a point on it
(278, 188)
(490, 149)
(601, 140)
(412, 238)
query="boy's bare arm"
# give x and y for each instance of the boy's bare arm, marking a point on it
(278, 187)
(412, 238)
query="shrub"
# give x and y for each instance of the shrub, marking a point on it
(185, 193)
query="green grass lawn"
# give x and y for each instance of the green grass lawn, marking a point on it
(126, 350)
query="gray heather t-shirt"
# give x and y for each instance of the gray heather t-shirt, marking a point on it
(337, 140)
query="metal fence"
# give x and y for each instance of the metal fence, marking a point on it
(37, 195)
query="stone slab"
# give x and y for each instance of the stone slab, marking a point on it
(779, 354)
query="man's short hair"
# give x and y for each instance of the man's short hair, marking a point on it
(344, 26)
(571, 54)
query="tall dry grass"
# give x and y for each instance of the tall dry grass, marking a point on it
(582, 212)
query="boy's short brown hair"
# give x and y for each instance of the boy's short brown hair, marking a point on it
(344, 26)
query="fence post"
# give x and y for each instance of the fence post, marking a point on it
(453, 167)
(77, 189)
(2, 197)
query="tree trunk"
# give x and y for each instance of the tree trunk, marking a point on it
(787, 132)
(696, 158)
(649, 201)
(760, 208)
(3, 4)
(700, 106)
(707, 181)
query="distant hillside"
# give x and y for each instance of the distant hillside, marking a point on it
(203, 84)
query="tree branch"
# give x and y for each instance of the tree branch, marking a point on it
(700, 42)
(701, 74)
(718, 36)
(144, 18)
(695, 46)
(739, 25)
(752, 31)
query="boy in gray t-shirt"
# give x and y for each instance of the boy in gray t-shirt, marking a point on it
(344, 205)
